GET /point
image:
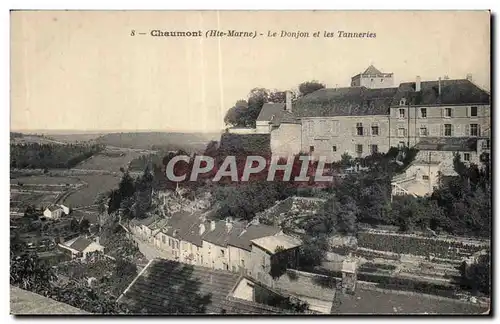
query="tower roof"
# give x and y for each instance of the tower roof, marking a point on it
(371, 70)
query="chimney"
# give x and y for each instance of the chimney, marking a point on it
(202, 229)
(469, 77)
(439, 86)
(288, 104)
(229, 224)
(417, 83)
(212, 225)
(97, 240)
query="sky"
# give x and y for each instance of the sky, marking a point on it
(82, 70)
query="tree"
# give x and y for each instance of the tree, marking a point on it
(308, 87)
(476, 276)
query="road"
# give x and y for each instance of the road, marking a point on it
(150, 252)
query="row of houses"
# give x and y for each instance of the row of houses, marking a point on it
(196, 239)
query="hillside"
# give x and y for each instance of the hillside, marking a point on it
(159, 140)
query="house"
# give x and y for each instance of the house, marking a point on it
(240, 246)
(53, 212)
(435, 159)
(266, 252)
(169, 287)
(372, 115)
(215, 243)
(66, 210)
(80, 247)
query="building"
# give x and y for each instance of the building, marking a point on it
(265, 253)
(80, 247)
(215, 243)
(435, 159)
(66, 209)
(53, 212)
(169, 287)
(240, 246)
(372, 78)
(372, 115)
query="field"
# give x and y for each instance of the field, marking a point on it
(43, 180)
(109, 160)
(96, 184)
(74, 138)
(153, 140)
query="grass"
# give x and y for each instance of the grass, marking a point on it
(44, 180)
(96, 184)
(111, 162)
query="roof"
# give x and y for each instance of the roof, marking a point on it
(453, 92)
(270, 243)
(269, 110)
(349, 101)
(371, 70)
(23, 302)
(166, 287)
(378, 301)
(244, 239)
(285, 117)
(185, 226)
(234, 305)
(454, 144)
(80, 244)
(54, 208)
(220, 235)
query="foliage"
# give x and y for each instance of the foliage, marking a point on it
(46, 156)
(245, 112)
(279, 262)
(308, 87)
(477, 276)
(416, 245)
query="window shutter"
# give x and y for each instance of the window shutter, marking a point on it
(467, 111)
(441, 127)
(442, 112)
(467, 130)
(366, 131)
(478, 130)
(452, 129)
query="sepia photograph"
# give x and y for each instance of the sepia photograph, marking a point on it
(218, 162)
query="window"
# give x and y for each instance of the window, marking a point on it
(263, 262)
(402, 113)
(423, 131)
(371, 80)
(423, 112)
(311, 149)
(234, 268)
(375, 130)
(164, 239)
(402, 102)
(425, 177)
(401, 144)
(374, 149)
(222, 252)
(242, 263)
(447, 129)
(359, 148)
(466, 157)
(473, 111)
(447, 112)
(359, 129)
(474, 130)
(381, 80)
(334, 148)
(402, 132)
(169, 242)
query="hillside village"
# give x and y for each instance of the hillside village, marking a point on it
(383, 238)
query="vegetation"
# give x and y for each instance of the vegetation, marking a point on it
(46, 156)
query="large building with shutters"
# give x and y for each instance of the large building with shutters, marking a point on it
(371, 116)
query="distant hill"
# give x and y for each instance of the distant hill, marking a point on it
(159, 140)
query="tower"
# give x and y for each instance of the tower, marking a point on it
(372, 78)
